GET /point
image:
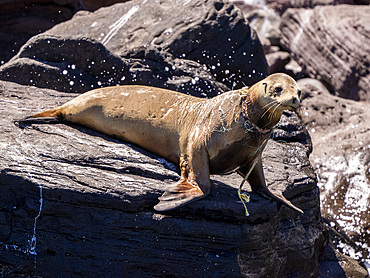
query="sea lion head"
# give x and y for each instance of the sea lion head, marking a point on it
(271, 96)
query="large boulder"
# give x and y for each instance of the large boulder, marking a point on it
(213, 33)
(78, 203)
(80, 64)
(331, 45)
(341, 155)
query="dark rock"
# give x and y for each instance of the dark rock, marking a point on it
(93, 5)
(81, 64)
(212, 33)
(290, 129)
(331, 44)
(22, 19)
(78, 203)
(362, 2)
(341, 155)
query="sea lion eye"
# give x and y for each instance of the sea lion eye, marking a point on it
(278, 90)
(299, 92)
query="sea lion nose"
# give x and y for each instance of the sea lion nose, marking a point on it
(295, 101)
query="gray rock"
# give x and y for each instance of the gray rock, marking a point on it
(277, 61)
(267, 24)
(294, 70)
(78, 203)
(331, 44)
(281, 6)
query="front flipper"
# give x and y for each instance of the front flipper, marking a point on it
(256, 180)
(194, 184)
(179, 194)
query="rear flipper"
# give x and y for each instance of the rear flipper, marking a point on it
(51, 116)
(194, 184)
(257, 181)
(279, 198)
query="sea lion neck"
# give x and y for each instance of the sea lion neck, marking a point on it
(253, 113)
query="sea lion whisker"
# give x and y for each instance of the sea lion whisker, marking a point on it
(271, 115)
(271, 107)
(273, 112)
(267, 110)
(269, 104)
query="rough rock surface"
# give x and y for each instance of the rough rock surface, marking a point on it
(282, 5)
(340, 133)
(81, 64)
(213, 33)
(331, 45)
(76, 198)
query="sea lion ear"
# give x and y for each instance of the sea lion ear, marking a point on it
(244, 91)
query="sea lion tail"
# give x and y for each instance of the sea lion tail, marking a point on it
(50, 116)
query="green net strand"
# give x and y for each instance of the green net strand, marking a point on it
(244, 197)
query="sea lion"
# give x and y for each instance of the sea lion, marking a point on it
(203, 136)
